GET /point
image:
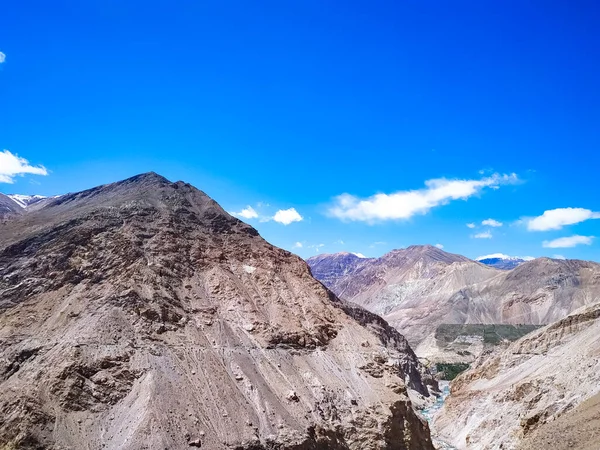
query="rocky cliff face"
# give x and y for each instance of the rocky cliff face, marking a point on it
(141, 315)
(418, 288)
(520, 397)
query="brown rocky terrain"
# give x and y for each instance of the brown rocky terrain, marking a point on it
(541, 392)
(140, 315)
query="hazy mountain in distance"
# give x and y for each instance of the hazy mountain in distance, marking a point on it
(418, 288)
(501, 261)
(327, 268)
(140, 314)
(411, 287)
(8, 207)
(25, 201)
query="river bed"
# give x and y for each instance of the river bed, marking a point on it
(430, 413)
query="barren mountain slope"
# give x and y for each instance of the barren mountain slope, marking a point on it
(141, 315)
(524, 392)
(578, 429)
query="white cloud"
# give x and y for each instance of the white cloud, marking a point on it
(2, 57)
(567, 242)
(440, 246)
(360, 255)
(471, 225)
(491, 223)
(405, 204)
(558, 257)
(298, 245)
(484, 235)
(555, 219)
(287, 216)
(317, 247)
(246, 213)
(12, 165)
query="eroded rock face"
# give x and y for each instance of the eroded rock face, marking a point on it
(515, 397)
(141, 315)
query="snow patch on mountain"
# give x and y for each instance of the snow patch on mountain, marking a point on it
(25, 200)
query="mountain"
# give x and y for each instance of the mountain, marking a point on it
(420, 288)
(503, 262)
(541, 392)
(327, 268)
(140, 314)
(414, 288)
(25, 201)
(8, 207)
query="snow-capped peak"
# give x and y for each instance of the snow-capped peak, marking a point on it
(360, 255)
(25, 200)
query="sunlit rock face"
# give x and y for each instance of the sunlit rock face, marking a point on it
(141, 315)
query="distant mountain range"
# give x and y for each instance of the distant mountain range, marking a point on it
(503, 262)
(418, 288)
(16, 204)
(26, 200)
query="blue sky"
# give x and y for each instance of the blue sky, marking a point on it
(279, 105)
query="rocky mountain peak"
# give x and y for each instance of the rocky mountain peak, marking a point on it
(140, 313)
(424, 253)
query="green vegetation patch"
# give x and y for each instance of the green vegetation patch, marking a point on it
(449, 371)
(492, 334)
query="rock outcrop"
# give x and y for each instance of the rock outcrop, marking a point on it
(520, 397)
(141, 315)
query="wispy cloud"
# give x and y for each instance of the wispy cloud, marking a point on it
(491, 223)
(558, 257)
(287, 216)
(484, 235)
(298, 245)
(440, 246)
(555, 219)
(471, 225)
(317, 247)
(568, 242)
(246, 213)
(12, 165)
(405, 204)
(2, 57)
